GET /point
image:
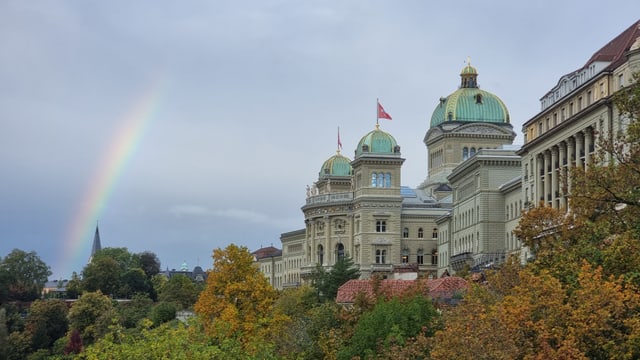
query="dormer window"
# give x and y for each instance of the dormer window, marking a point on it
(478, 98)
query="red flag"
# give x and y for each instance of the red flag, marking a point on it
(382, 114)
(339, 142)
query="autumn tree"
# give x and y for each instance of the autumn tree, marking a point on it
(609, 190)
(238, 298)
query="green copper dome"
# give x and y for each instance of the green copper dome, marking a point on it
(377, 142)
(337, 165)
(469, 103)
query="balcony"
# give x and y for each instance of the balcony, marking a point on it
(458, 261)
(381, 267)
(330, 198)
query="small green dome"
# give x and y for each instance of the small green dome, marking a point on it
(470, 104)
(377, 142)
(337, 165)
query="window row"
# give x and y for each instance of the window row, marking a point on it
(381, 180)
(434, 233)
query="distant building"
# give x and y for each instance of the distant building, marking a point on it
(197, 274)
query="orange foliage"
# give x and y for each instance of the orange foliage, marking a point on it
(237, 299)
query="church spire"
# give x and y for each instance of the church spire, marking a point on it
(96, 243)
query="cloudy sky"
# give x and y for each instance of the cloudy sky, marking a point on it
(183, 126)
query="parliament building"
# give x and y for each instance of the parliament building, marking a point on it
(462, 216)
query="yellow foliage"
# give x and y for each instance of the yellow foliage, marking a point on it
(237, 298)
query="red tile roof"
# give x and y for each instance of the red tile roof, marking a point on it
(266, 252)
(614, 51)
(443, 288)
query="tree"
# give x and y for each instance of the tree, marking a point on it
(25, 275)
(327, 283)
(238, 298)
(180, 290)
(4, 334)
(135, 310)
(74, 286)
(149, 263)
(46, 322)
(91, 315)
(391, 322)
(102, 274)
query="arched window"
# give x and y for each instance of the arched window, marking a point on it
(420, 233)
(339, 251)
(380, 180)
(381, 226)
(405, 233)
(465, 153)
(405, 256)
(374, 179)
(434, 257)
(420, 257)
(434, 233)
(320, 254)
(472, 152)
(381, 256)
(387, 180)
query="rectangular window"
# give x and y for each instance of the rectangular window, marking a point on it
(570, 109)
(589, 97)
(620, 81)
(580, 103)
(420, 258)
(381, 226)
(381, 256)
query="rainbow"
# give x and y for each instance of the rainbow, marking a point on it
(79, 234)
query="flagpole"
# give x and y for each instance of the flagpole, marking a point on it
(377, 105)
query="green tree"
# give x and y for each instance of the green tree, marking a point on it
(74, 286)
(149, 263)
(24, 275)
(391, 322)
(163, 312)
(238, 298)
(91, 315)
(180, 290)
(133, 281)
(19, 346)
(135, 310)
(102, 274)
(46, 322)
(4, 334)
(327, 283)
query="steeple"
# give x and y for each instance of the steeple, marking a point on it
(96, 244)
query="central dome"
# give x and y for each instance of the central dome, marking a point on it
(469, 103)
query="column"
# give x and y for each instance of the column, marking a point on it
(548, 167)
(564, 165)
(588, 140)
(539, 184)
(579, 149)
(554, 175)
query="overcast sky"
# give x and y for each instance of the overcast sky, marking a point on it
(183, 126)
